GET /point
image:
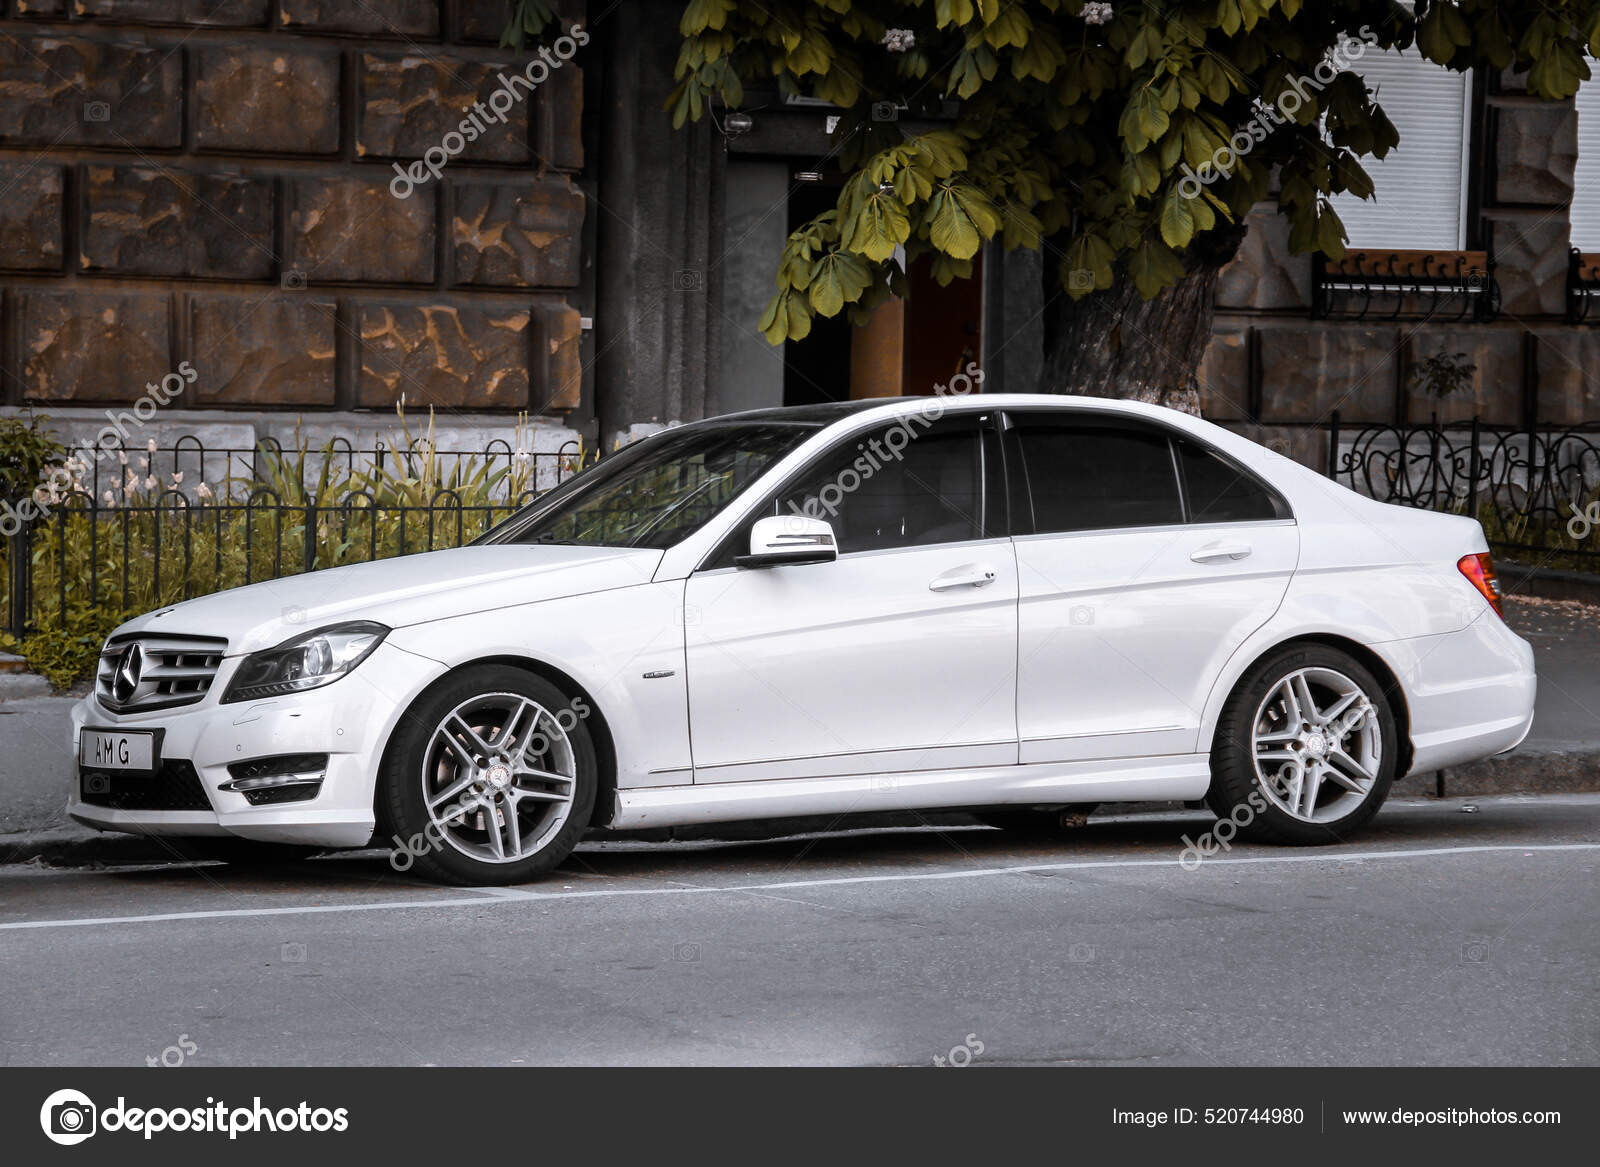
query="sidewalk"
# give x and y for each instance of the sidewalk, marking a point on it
(1561, 754)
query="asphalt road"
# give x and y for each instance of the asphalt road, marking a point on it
(1443, 936)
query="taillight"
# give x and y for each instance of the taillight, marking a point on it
(1479, 569)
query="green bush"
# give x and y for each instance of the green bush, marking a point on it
(242, 530)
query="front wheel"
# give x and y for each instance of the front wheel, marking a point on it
(1305, 750)
(489, 779)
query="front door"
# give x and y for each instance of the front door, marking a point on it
(899, 655)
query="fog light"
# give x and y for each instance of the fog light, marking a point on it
(286, 778)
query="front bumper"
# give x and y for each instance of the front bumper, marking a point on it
(349, 720)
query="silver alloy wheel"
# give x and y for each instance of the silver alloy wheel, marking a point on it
(1317, 745)
(499, 777)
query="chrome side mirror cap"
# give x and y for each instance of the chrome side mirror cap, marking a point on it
(787, 539)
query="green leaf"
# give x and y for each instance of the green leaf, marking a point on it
(1177, 218)
(1154, 268)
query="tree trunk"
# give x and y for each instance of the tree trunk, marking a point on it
(1115, 343)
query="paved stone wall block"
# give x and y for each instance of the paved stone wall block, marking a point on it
(1309, 369)
(147, 222)
(30, 216)
(1530, 253)
(202, 13)
(557, 358)
(445, 356)
(399, 19)
(1224, 375)
(1536, 151)
(90, 347)
(1493, 393)
(56, 92)
(352, 229)
(276, 349)
(266, 100)
(523, 235)
(1264, 275)
(409, 104)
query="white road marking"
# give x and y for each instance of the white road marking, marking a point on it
(489, 896)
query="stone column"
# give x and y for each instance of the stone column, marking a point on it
(658, 324)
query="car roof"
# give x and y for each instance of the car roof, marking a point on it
(829, 412)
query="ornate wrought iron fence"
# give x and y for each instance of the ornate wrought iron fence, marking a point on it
(143, 527)
(1536, 491)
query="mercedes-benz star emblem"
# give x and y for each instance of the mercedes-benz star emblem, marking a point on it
(129, 666)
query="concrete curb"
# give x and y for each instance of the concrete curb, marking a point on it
(1574, 770)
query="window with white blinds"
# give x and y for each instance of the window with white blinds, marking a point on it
(1586, 183)
(1420, 188)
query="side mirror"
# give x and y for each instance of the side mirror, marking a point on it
(780, 539)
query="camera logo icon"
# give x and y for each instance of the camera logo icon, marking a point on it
(885, 111)
(97, 111)
(68, 1117)
(688, 280)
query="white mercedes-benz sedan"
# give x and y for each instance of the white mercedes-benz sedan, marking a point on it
(1019, 606)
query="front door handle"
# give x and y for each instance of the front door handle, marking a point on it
(968, 575)
(1215, 552)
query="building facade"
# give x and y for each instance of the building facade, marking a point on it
(286, 196)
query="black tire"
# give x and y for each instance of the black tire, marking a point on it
(1238, 792)
(417, 841)
(1041, 824)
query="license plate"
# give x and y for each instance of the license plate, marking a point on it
(105, 749)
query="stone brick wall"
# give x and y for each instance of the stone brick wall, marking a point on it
(1277, 374)
(211, 181)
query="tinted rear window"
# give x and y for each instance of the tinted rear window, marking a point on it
(1219, 492)
(1087, 475)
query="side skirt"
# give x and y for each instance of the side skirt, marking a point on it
(1173, 777)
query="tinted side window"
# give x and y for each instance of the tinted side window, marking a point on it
(1084, 474)
(906, 485)
(1219, 492)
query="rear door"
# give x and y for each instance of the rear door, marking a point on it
(1144, 558)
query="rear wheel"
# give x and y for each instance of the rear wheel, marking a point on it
(1305, 750)
(490, 778)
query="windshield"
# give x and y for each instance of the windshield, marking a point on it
(659, 492)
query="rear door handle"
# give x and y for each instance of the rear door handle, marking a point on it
(968, 575)
(1214, 552)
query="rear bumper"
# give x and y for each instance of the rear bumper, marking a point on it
(1470, 694)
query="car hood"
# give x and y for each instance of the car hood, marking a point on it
(413, 589)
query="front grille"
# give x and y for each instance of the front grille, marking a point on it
(175, 786)
(142, 671)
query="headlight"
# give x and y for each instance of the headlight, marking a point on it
(306, 662)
